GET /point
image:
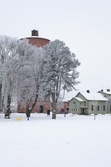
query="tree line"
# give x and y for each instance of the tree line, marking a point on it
(29, 73)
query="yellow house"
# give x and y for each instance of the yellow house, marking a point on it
(89, 103)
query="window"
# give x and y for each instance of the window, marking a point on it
(103, 107)
(75, 106)
(98, 107)
(92, 107)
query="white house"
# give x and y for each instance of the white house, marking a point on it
(90, 103)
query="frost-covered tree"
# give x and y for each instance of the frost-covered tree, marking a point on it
(28, 71)
(59, 72)
(7, 50)
(21, 76)
(8, 85)
(7, 47)
(28, 76)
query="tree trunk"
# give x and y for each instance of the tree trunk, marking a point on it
(53, 115)
(7, 113)
(54, 110)
(27, 111)
(33, 105)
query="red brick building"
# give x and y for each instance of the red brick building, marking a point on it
(42, 106)
(36, 40)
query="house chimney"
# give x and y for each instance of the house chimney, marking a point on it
(88, 91)
(35, 33)
(108, 90)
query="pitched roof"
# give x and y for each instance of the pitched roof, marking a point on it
(79, 99)
(106, 92)
(94, 96)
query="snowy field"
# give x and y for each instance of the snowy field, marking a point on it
(71, 141)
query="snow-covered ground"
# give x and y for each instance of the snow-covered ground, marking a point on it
(71, 141)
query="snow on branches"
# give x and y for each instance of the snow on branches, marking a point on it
(29, 72)
(59, 70)
(20, 71)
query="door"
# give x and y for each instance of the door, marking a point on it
(41, 109)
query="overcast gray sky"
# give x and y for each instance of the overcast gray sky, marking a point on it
(84, 25)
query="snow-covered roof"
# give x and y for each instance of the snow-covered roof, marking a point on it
(107, 92)
(36, 37)
(94, 96)
(79, 99)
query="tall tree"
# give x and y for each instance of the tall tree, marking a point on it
(21, 77)
(7, 50)
(28, 80)
(59, 71)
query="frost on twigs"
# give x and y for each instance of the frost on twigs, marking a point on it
(29, 73)
(59, 71)
(20, 66)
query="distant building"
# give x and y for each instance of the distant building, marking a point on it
(90, 103)
(41, 105)
(36, 40)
